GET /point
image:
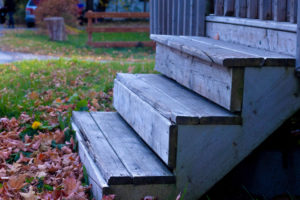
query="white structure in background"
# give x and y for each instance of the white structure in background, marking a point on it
(124, 6)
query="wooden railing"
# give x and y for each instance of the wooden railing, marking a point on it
(177, 17)
(133, 15)
(277, 10)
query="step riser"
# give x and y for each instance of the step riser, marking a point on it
(221, 85)
(153, 128)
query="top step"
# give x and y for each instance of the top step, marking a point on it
(223, 53)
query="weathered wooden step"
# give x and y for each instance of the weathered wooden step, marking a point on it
(154, 105)
(212, 68)
(119, 154)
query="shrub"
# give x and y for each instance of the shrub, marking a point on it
(57, 8)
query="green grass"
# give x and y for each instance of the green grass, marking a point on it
(75, 46)
(28, 85)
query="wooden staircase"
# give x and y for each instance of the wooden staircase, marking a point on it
(185, 129)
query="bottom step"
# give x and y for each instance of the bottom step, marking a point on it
(117, 160)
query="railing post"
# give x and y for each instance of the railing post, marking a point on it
(298, 42)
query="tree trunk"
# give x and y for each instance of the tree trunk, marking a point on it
(56, 28)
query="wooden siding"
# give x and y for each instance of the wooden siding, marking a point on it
(177, 17)
(277, 10)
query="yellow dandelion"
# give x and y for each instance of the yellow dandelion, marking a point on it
(36, 125)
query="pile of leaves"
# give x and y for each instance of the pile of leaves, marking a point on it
(38, 148)
(38, 161)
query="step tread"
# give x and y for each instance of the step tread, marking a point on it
(141, 164)
(176, 103)
(224, 53)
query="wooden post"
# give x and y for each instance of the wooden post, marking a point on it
(56, 28)
(252, 9)
(219, 7)
(228, 7)
(298, 43)
(280, 10)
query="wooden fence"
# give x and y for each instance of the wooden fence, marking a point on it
(94, 29)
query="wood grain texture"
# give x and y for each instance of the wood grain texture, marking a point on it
(229, 6)
(143, 165)
(241, 8)
(283, 42)
(211, 81)
(293, 6)
(156, 130)
(219, 7)
(221, 53)
(179, 105)
(99, 185)
(112, 169)
(280, 10)
(252, 9)
(265, 9)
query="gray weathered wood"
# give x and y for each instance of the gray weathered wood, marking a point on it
(106, 159)
(219, 7)
(229, 7)
(209, 80)
(186, 17)
(252, 9)
(218, 54)
(164, 14)
(293, 6)
(169, 17)
(298, 43)
(175, 17)
(156, 130)
(269, 38)
(179, 105)
(280, 8)
(241, 8)
(265, 9)
(99, 185)
(200, 18)
(180, 26)
(143, 165)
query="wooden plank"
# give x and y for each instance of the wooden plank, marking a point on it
(99, 185)
(155, 18)
(214, 82)
(270, 39)
(280, 8)
(175, 17)
(144, 166)
(270, 58)
(229, 7)
(200, 18)
(265, 9)
(267, 24)
(121, 44)
(192, 17)
(169, 17)
(180, 26)
(241, 8)
(156, 130)
(151, 8)
(186, 17)
(118, 29)
(179, 105)
(219, 7)
(117, 15)
(293, 6)
(252, 9)
(160, 16)
(108, 162)
(207, 52)
(164, 17)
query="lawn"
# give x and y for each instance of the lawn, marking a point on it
(38, 150)
(36, 42)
